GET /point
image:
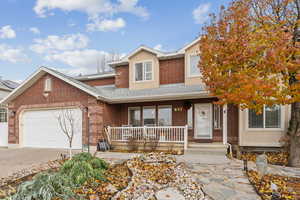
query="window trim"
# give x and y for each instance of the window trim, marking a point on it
(144, 74)
(128, 114)
(48, 88)
(219, 118)
(189, 75)
(164, 106)
(187, 118)
(282, 120)
(6, 111)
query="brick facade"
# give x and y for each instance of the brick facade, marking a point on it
(171, 71)
(122, 76)
(99, 82)
(62, 95)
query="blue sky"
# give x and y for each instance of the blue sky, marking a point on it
(72, 35)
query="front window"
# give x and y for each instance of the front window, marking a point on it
(269, 118)
(165, 116)
(217, 116)
(143, 71)
(3, 115)
(134, 116)
(149, 116)
(190, 117)
(193, 65)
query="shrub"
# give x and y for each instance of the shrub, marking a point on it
(84, 167)
(46, 186)
(60, 185)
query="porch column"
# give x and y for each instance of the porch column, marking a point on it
(225, 124)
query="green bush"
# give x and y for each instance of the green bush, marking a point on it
(45, 186)
(84, 167)
(73, 174)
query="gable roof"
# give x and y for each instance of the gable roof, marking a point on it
(160, 55)
(39, 73)
(103, 75)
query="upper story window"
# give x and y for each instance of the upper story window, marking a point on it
(268, 119)
(48, 85)
(3, 115)
(193, 65)
(143, 71)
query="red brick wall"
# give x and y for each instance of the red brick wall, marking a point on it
(99, 82)
(171, 71)
(122, 76)
(62, 95)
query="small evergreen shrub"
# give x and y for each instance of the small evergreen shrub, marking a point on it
(73, 174)
(45, 186)
(84, 167)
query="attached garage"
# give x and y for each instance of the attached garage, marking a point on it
(41, 129)
(3, 134)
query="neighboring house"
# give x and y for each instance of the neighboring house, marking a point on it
(6, 87)
(149, 93)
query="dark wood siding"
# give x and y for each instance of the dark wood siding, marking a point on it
(171, 71)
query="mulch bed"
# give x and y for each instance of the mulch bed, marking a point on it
(288, 187)
(117, 178)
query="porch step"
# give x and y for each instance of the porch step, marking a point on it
(207, 148)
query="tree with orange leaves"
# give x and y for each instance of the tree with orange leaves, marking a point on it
(250, 58)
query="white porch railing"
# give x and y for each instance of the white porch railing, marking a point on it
(171, 134)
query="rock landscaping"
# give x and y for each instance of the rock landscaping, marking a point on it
(151, 176)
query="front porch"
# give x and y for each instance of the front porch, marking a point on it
(162, 136)
(169, 123)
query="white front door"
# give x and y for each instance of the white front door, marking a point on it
(203, 121)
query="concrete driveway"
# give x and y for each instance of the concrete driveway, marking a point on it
(14, 160)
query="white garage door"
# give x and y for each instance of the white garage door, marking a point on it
(41, 129)
(3, 135)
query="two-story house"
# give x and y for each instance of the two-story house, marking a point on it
(149, 94)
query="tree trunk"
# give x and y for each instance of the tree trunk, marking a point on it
(294, 134)
(294, 129)
(70, 149)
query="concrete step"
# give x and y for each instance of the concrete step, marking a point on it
(206, 148)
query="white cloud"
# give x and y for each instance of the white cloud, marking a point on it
(91, 7)
(131, 6)
(11, 54)
(98, 11)
(200, 14)
(158, 47)
(82, 61)
(55, 43)
(35, 30)
(106, 25)
(6, 32)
